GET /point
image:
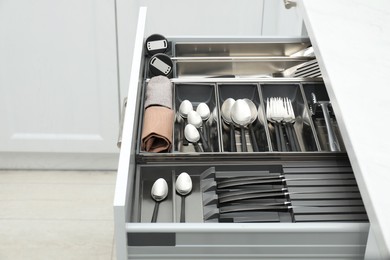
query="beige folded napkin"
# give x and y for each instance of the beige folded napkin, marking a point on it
(157, 129)
(159, 92)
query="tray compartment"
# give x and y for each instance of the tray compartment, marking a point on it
(196, 93)
(244, 59)
(170, 208)
(143, 201)
(318, 118)
(302, 125)
(281, 193)
(241, 91)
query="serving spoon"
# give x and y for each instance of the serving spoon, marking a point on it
(253, 109)
(226, 116)
(183, 188)
(241, 116)
(159, 192)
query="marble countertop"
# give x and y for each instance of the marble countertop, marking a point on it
(351, 39)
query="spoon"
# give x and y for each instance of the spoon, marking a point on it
(183, 187)
(159, 193)
(193, 136)
(184, 108)
(204, 112)
(253, 109)
(241, 116)
(225, 111)
(195, 119)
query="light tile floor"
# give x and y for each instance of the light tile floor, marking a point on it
(57, 215)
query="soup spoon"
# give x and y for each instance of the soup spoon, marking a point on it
(183, 188)
(193, 136)
(159, 193)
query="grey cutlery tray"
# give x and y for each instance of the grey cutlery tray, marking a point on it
(317, 190)
(309, 128)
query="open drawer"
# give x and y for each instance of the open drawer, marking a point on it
(300, 201)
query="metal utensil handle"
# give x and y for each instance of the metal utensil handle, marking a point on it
(278, 141)
(198, 148)
(182, 210)
(333, 143)
(282, 140)
(244, 148)
(295, 138)
(253, 139)
(232, 139)
(155, 212)
(249, 178)
(236, 208)
(204, 142)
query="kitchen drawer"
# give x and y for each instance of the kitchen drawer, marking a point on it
(211, 71)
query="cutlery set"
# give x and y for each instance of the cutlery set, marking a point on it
(193, 127)
(242, 114)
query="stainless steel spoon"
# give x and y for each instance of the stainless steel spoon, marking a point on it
(159, 192)
(254, 112)
(184, 108)
(205, 113)
(183, 187)
(196, 120)
(226, 116)
(241, 116)
(193, 136)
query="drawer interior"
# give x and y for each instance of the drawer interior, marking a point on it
(260, 187)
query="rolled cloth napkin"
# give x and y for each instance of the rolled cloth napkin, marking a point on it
(159, 92)
(157, 129)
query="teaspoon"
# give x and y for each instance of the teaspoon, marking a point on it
(184, 108)
(159, 193)
(195, 119)
(193, 136)
(183, 187)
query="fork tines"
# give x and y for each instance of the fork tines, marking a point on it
(280, 112)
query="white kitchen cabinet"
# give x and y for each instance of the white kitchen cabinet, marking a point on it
(59, 95)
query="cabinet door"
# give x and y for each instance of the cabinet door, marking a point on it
(58, 76)
(281, 21)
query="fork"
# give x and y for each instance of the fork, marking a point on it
(290, 120)
(275, 114)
